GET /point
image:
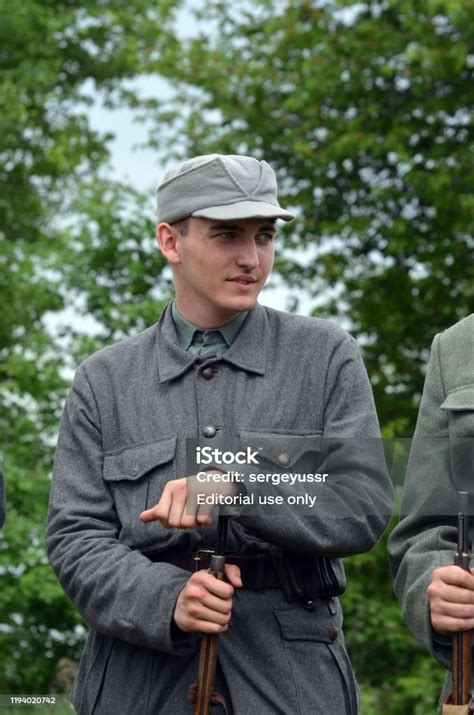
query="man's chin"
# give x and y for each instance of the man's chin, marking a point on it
(231, 309)
(245, 303)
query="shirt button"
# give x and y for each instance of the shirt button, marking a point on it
(207, 372)
(284, 459)
(333, 633)
(209, 431)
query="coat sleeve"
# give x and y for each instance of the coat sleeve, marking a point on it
(425, 537)
(355, 503)
(117, 591)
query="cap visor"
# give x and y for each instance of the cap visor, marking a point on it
(244, 209)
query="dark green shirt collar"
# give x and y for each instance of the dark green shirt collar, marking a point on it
(248, 352)
(187, 331)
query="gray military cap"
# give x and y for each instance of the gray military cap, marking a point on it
(221, 187)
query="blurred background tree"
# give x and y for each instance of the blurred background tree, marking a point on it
(54, 55)
(365, 110)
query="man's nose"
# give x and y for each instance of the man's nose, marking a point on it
(248, 254)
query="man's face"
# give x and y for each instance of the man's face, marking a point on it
(221, 267)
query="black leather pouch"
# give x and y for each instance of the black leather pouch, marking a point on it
(304, 578)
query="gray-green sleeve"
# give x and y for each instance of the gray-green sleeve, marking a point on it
(355, 504)
(425, 537)
(118, 591)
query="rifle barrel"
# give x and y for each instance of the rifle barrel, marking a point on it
(462, 639)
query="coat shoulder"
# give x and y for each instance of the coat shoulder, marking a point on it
(307, 328)
(122, 353)
(455, 349)
(459, 334)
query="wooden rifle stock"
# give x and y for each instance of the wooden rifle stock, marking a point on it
(206, 673)
(209, 642)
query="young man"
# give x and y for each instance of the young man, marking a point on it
(219, 374)
(437, 597)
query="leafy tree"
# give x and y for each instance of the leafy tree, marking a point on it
(365, 110)
(53, 54)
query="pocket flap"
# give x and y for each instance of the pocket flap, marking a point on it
(460, 399)
(298, 624)
(282, 449)
(134, 462)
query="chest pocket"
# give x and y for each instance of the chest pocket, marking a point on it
(137, 476)
(460, 405)
(284, 451)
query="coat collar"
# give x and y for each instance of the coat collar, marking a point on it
(246, 352)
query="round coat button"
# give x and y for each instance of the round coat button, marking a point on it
(207, 372)
(209, 431)
(333, 633)
(284, 459)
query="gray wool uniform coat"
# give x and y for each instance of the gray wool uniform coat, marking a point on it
(440, 465)
(285, 381)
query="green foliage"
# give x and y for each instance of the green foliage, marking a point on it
(395, 674)
(54, 54)
(38, 624)
(365, 110)
(112, 262)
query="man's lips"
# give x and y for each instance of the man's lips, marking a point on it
(245, 280)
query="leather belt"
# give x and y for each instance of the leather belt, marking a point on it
(256, 570)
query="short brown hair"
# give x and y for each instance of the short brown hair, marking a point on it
(181, 226)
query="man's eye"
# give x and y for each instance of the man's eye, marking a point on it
(227, 236)
(266, 237)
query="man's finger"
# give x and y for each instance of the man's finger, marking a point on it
(455, 576)
(203, 519)
(196, 626)
(160, 511)
(232, 574)
(187, 521)
(202, 511)
(453, 610)
(177, 509)
(214, 604)
(200, 612)
(452, 594)
(446, 625)
(215, 586)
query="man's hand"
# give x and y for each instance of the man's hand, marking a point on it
(205, 603)
(451, 597)
(178, 507)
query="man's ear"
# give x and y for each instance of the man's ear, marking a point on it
(167, 239)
